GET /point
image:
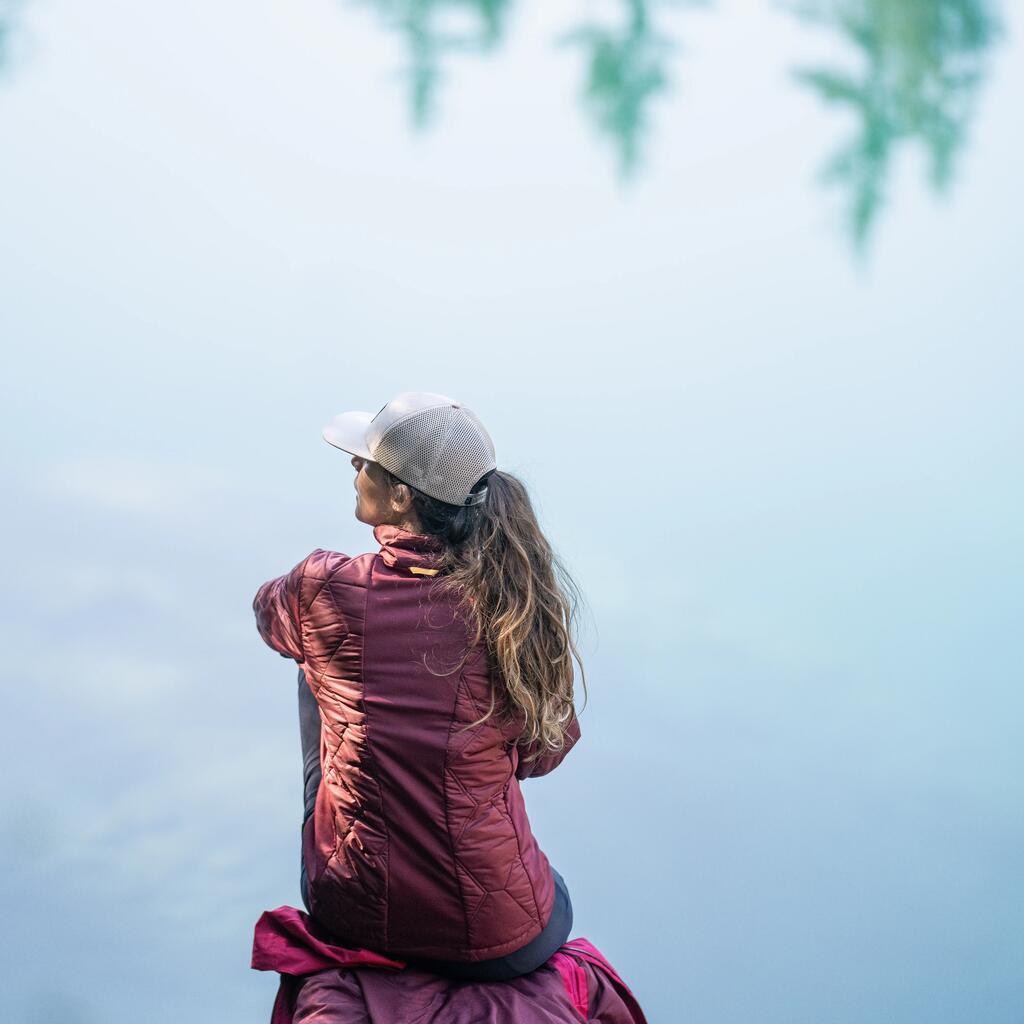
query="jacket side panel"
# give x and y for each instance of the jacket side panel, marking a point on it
(347, 881)
(506, 879)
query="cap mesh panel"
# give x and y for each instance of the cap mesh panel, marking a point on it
(441, 451)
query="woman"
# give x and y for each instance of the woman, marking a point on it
(435, 675)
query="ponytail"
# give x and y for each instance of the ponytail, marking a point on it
(519, 598)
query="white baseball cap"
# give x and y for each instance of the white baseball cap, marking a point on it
(430, 442)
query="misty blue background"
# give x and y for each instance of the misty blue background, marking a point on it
(784, 466)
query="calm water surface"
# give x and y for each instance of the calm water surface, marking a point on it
(737, 289)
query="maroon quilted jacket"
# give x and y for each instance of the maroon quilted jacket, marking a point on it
(419, 845)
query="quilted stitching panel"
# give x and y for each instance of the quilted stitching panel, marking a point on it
(499, 897)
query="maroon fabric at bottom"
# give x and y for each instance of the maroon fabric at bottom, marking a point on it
(322, 983)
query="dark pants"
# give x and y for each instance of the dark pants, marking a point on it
(503, 968)
(309, 736)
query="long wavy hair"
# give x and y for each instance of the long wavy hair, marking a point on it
(519, 599)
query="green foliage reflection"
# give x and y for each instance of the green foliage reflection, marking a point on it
(434, 29)
(9, 10)
(625, 69)
(913, 80)
(920, 65)
(625, 61)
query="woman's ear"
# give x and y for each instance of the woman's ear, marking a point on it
(401, 499)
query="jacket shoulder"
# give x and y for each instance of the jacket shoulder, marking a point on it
(330, 566)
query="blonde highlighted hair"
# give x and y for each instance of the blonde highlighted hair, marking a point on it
(519, 599)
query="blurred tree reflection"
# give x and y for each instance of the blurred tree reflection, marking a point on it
(625, 61)
(9, 10)
(918, 67)
(434, 29)
(921, 63)
(625, 70)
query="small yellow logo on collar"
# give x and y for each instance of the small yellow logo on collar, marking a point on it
(420, 571)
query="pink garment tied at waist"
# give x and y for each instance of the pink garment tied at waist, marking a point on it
(577, 984)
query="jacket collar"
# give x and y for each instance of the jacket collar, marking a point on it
(401, 548)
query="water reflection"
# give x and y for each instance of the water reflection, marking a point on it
(435, 29)
(624, 58)
(625, 70)
(920, 64)
(9, 10)
(913, 81)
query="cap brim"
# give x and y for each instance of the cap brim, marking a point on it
(348, 432)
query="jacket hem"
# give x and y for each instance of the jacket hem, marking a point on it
(470, 955)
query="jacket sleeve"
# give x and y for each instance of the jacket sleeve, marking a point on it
(531, 769)
(278, 608)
